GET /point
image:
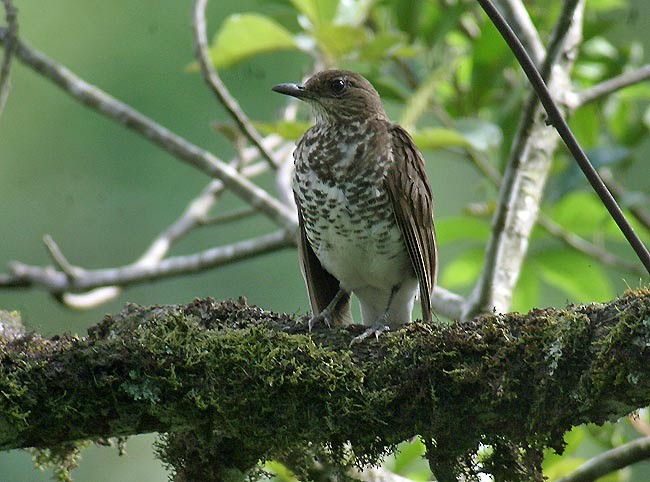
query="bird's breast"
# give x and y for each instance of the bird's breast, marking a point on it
(352, 229)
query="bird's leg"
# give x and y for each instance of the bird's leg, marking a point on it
(325, 315)
(380, 325)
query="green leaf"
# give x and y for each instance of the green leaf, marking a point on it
(338, 40)
(438, 137)
(575, 274)
(317, 11)
(381, 46)
(463, 270)
(561, 467)
(244, 35)
(407, 454)
(481, 134)
(462, 228)
(290, 130)
(526, 294)
(581, 212)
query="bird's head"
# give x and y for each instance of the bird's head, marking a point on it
(337, 96)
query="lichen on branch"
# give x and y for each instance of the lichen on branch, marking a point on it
(233, 375)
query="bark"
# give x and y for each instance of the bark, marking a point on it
(233, 384)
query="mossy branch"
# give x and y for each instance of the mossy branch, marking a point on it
(249, 384)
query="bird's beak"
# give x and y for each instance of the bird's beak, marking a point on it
(294, 90)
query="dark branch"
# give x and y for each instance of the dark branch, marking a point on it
(556, 119)
(234, 375)
(610, 461)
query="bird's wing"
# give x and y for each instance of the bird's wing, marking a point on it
(321, 285)
(410, 193)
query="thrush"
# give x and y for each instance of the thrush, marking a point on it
(365, 207)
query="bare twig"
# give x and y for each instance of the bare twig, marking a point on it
(59, 259)
(182, 149)
(525, 176)
(611, 85)
(610, 461)
(517, 16)
(57, 281)
(218, 87)
(230, 216)
(11, 37)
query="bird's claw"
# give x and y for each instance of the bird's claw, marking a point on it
(373, 330)
(322, 317)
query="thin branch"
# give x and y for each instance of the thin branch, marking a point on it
(517, 16)
(218, 87)
(228, 217)
(182, 149)
(58, 257)
(11, 36)
(609, 461)
(583, 246)
(23, 275)
(611, 85)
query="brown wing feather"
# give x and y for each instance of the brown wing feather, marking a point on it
(410, 193)
(321, 285)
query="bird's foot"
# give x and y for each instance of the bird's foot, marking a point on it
(322, 317)
(373, 330)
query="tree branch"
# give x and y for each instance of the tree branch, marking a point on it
(517, 16)
(525, 175)
(11, 38)
(179, 147)
(24, 275)
(218, 87)
(611, 85)
(237, 376)
(610, 461)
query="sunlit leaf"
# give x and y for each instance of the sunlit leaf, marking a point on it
(409, 462)
(605, 5)
(580, 277)
(281, 472)
(561, 467)
(244, 35)
(581, 212)
(463, 270)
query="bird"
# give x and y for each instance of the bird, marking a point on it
(365, 208)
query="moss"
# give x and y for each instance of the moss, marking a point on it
(234, 385)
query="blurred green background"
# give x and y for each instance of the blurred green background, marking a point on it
(104, 193)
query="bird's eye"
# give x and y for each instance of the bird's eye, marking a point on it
(338, 85)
